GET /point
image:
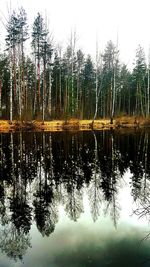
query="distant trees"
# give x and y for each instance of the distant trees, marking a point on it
(64, 83)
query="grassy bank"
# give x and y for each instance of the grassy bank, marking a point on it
(73, 124)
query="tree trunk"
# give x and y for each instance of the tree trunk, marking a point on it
(148, 83)
(14, 71)
(0, 97)
(111, 101)
(19, 84)
(49, 95)
(141, 102)
(60, 89)
(44, 89)
(113, 94)
(11, 100)
(35, 93)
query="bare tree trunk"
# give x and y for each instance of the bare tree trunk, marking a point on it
(35, 93)
(14, 71)
(60, 89)
(129, 106)
(115, 59)
(38, 75)
(72, 44)
(49, 95)
(0, 97)
(78, 85)
(72, 81)
(19, 84)
(136, 103)
(66, 98)
(111, 101)
(11, 100)
(23, 87)
(141, 102)
(97, 90)
(148, 84)
(39, 94)
(44, 89)
(96, 84)
(114, 93)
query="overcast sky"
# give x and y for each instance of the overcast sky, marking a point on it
(91, 18)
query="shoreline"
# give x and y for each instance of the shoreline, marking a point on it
(74, 124)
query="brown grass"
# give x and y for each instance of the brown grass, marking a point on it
(74, 124)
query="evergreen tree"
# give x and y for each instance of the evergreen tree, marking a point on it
(88, 88)
(4, 85)
(38, 34)
(109, 79)
(139, 76)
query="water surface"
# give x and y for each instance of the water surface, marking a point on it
(75, 199)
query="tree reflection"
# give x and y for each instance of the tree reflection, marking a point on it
(41, 171)
(12, 243)
(95, 194)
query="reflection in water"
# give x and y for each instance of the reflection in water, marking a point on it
(41, 171)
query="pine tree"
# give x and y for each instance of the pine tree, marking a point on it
(139, 75)
(88, 86)
(109, 79)
(11, 42)
(38, 35)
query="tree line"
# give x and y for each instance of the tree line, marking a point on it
(56, 83)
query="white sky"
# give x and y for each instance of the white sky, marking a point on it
(104, 18)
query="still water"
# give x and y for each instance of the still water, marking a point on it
(77, 199)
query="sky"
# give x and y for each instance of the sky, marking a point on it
(103, 20)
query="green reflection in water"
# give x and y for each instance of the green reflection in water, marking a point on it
(78, 246)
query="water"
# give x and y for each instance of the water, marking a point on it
(79, 199)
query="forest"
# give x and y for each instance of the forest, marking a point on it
(47, 81)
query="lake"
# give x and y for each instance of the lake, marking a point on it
(75, 199)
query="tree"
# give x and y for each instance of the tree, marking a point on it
(17, 34)
(42, 49)
(148, 84)
(110, 62)
(98, 81)
(124, 92)
(80, 65)
(88, 86)
(139, 75)
(56, 84)
(30, 72)
(46, 54)
(11, 42)
(4, 83)
(38, 34)
(22, 37)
